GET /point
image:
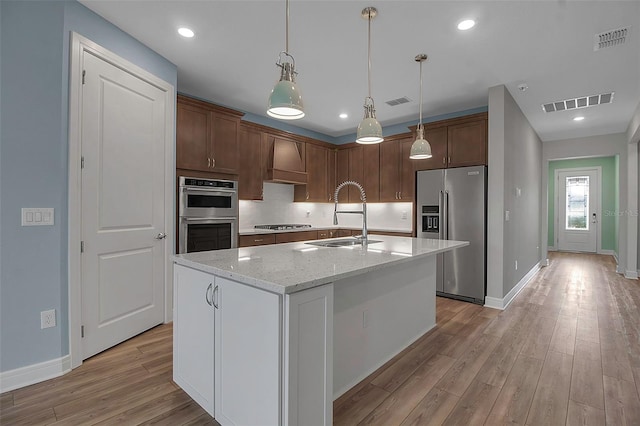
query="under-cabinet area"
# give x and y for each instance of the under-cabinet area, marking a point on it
(272, 335)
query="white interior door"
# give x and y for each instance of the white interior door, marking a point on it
(578, 209)
(123, 212)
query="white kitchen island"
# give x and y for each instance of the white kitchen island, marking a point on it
(271, 335)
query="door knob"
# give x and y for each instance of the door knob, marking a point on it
(161, 236)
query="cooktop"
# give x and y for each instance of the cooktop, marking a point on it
(282, 226)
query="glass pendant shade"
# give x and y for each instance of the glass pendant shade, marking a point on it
(369, 129)
(421, 149)
(285, 101)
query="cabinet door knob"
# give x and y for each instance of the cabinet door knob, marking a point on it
(444, 160)
(213, 162)
(400, 195)
(208, 161)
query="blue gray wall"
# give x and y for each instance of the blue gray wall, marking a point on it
(34, 83)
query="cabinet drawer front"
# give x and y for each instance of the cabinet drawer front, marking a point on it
(290, 237)
(256, 240)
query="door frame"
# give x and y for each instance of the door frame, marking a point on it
(80, 45)
(598, 200)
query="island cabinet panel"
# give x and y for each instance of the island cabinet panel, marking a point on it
(308, 356)
(206, 137)
(248, 354)
(251, 170)
(193, 338)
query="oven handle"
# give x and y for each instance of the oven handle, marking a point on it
(220, 191)
(209, 219)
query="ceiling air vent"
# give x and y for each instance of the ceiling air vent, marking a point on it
(610, 38)
(581, 102)
(394, 102)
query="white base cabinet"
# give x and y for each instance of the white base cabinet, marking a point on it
(193, 339)
(227, 347)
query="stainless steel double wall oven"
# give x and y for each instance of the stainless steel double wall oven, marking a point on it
(207, 214)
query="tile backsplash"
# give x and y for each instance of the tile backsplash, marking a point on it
(278, 207)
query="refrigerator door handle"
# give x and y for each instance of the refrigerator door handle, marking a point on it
(446, 215)
(441, 215)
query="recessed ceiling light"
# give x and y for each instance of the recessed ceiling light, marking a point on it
(580, 118)
(185, 32)
(467, 24)
(344, 115)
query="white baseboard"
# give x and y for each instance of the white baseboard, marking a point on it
(632, 275)
(35, 373)
(496, 303)
(552, 248)
(609, 252)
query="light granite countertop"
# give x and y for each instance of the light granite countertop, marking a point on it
(291, 267)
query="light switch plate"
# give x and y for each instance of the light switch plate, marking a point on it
(37, 216)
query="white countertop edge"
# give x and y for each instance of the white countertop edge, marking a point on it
(304, 285)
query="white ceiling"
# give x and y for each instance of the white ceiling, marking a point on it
(546, 44)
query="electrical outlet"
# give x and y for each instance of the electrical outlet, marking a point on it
(48, 318)
(403, 215)
(516, 265)
(365, 319)
(507, 213)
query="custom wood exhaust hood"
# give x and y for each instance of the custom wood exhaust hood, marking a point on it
(285, 161)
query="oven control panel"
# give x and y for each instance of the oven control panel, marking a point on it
(211, 183)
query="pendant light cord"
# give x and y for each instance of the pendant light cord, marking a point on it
(369, 55)
(286, 44)
(420, 93)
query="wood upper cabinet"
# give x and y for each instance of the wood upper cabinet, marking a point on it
(342, 173)
(437, 138)
(457, 142)
(360, 164)
(206, 137)
(397, 172)
(251, 171)
(467, 144)
(317, 165)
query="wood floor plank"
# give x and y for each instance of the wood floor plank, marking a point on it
(497, 367)
(352, 411)
(583, 415)
(434, 408)
(622, 406)
(460, 376)
(550, 401)
(150, 409)
(474, 406)
(587, 326)
(586, 378)
(182, 415)
(615, 358)
(513, 402)
(537, 343)
(564, 335)
(395, 408)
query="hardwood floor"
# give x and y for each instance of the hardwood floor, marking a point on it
(566, 351)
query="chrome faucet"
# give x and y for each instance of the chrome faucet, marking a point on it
(363, 212)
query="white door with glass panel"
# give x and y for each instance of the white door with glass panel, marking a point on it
(577, 209)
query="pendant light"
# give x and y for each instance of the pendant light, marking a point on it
(369, 129)
(285, 101)
(420, 148)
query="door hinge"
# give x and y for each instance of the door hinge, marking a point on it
(82, 331)
(82, 162)
(84, 72)
(81, 246)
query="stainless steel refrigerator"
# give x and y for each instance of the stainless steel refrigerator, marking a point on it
(451, 205)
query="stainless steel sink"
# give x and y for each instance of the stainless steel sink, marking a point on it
(340, 243)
